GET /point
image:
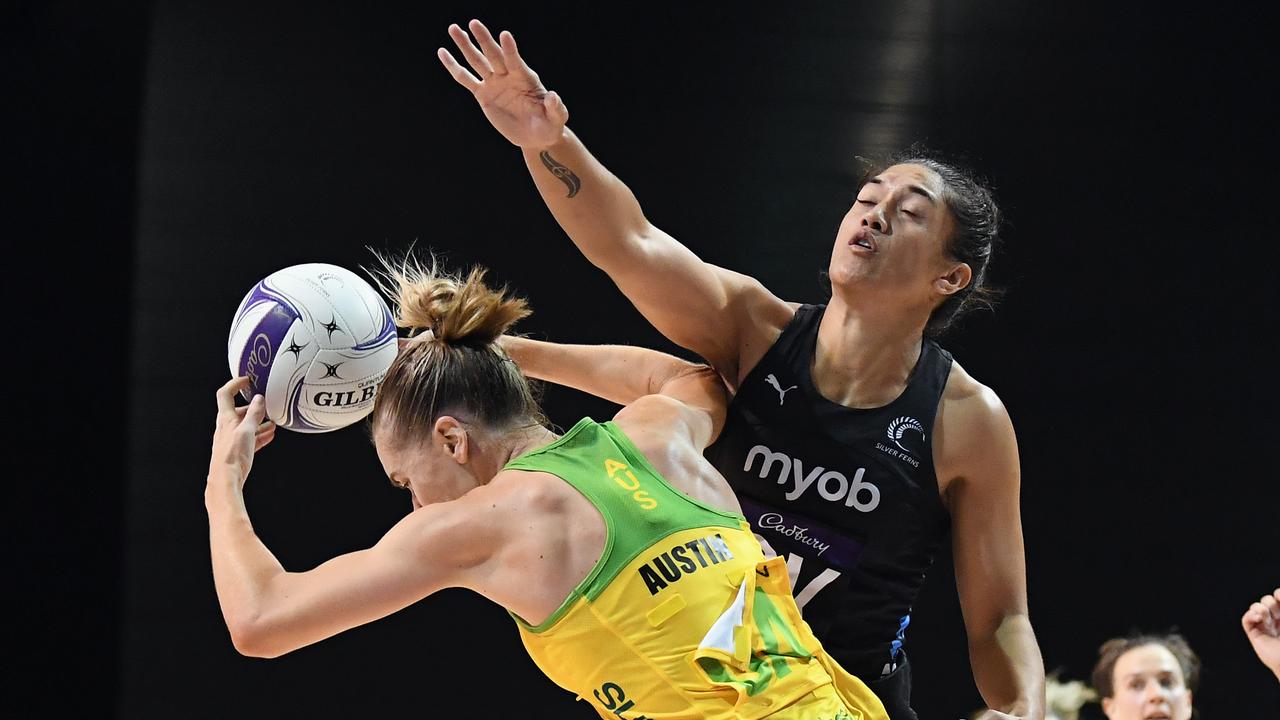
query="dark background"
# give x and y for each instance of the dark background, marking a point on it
(167, 155)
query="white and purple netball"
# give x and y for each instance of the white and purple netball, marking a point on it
(315, 341)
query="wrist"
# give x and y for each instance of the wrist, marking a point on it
(222, 481)
(558, 144)
(224, 473)
(513, 346)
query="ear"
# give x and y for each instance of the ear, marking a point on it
(1106, 706)
(452, 438)
(956, 279)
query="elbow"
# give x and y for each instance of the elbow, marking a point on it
(635, 245)
(251, 639)
(672, 372)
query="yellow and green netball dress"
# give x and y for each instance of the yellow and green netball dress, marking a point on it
(682, 616)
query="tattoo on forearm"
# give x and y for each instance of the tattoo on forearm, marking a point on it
(566, 175)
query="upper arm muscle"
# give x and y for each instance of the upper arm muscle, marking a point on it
(698, 306)
(432, 548)
(986, 519)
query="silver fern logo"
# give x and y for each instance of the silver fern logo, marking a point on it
(900, 427)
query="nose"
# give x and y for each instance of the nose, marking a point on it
(1155, 691)
(876, 219)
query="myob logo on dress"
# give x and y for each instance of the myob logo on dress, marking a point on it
(832, 485)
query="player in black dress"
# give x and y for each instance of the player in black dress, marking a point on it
(855, 443)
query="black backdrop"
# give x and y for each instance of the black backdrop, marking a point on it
(171, 154)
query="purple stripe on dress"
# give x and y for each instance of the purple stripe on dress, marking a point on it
(260, 351)
(790, 532)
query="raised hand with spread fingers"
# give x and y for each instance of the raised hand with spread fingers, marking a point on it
(508, 90)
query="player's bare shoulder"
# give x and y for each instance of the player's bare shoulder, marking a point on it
(973, 436)
(964, 388)
(746, 293)
(655, 425)
(534, 490)
(762, 318)
(659, 428)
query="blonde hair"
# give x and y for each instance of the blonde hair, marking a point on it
(451, 363)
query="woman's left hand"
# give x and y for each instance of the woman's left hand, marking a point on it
(239, 432)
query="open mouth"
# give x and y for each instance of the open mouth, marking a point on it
(864, 239)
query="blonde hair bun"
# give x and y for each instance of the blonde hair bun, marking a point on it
(456, 311)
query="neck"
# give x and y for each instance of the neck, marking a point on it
(865, 355)
(522, 440)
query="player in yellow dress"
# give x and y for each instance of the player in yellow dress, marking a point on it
(617, 549)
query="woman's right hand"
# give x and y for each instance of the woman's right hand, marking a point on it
(239, 433)
(509, 92)
(1262, 626)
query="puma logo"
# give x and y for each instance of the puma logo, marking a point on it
(782, 394)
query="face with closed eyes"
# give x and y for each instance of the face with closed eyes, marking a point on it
(1147, 684)
(892, 241)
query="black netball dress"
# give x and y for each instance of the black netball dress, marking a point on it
(848, 496)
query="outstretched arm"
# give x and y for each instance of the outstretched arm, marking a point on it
(617, 373)
(673, 409)
(624, 374)
(270, 611)
(981, 454)
(719, 314)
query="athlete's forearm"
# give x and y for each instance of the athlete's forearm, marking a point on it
(243, 567)
(1008, 668)
(695, 305)
(618, 373)
(594, 207)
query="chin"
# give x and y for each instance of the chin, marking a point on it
(840, 274)
(846, 281)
